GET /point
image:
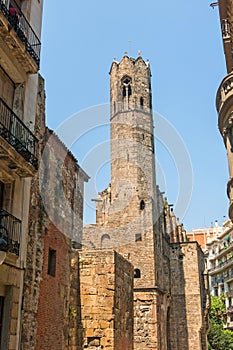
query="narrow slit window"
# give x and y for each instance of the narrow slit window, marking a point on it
(142, 205)
(141, 102)
(138, 237)
(52, 262)
(137, 273)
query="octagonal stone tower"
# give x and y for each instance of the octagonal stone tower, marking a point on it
(127, 210)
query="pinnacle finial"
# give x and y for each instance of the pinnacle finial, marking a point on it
(139, 53)
(125, 53)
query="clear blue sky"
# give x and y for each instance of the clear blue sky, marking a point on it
(182, 41)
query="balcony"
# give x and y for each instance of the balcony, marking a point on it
(20, 38)
(18, 145)
(222, 266)
(229, 276)
(229, 293)
(224, 100)
(10, 231)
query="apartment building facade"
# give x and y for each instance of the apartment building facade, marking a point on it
(20, 30)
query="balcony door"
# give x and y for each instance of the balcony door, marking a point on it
(2, 299)
(1, 194)
(7, 88)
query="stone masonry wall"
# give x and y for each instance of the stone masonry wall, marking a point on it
(35, 245)
(106, 301)
(123, 304)
(145, 320)
(56, 212)
(187, 322)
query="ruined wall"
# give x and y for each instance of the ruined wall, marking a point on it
(75, 336)
(187, 317)
(145, 320)
(106, 300)
(123, 304)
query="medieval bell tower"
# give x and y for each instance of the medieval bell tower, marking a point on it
(127, 211)
(132, 139)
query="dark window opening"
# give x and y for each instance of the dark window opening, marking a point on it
(105, 241)
(231, 138)
(124, 91)
(141, 102)
(126, 80)
(129, 90)
(52, 262)
(138, 237)
(180, 258)
(1, 194)
(93, 342)
(137, 273)
(1, 317)
(142, 205)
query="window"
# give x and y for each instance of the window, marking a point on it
(137, 273)
(142, 205)
(105, 241)
(1, 194)
(231, 138)
(52, 262)
(141, 102)
(138, 237)
(126, 91)
(1, 316)
(180, 257)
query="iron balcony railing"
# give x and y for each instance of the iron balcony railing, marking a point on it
(15, 132)
(229, 275)
(23, 29)
(10, 232)
(221, 265)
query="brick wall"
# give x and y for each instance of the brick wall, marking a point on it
(53, 308)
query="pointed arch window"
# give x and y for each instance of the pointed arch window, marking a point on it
(126, 91)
